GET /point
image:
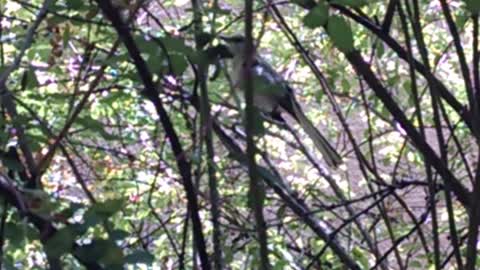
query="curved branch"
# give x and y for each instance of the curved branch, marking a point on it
(430, 156)
(150, 92)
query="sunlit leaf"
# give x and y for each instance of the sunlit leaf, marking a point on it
(96, 126)
(66, 35)
(108, 207)
(360, 257)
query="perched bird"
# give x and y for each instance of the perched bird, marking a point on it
(273, 95)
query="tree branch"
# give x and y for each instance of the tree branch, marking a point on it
(363, 69)
(150, 92)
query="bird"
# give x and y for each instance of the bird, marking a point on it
(273, 95)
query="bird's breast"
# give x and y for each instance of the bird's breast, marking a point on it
(267, 88)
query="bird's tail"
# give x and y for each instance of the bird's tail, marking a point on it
(329, 153)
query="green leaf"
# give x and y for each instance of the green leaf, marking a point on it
(117, 59)
(108, 207)
(173, 44)
(57, 98)
(60, 243)
(317, 16)
(57, 7)
(99, 212)
(345, 86)
(119, 235)
(96, 126)
(56, 20)
(199, 58)
(155, 63)
(416, 264)
(380, 49)
(75, 4)
(177, 53)
(340, 33)
(29, 79)
(101, 250)
(473, 6)
(114, 96)
(461, 19)
(14, 233)
(179, 64)
(66, 35)
(360, 257)
(113, 255)
(32, 81)
(280, 265)
(147, 46)
(35, 140)
(8, 263)
(139, 256)
(31, 233)
(11, 163)
(90, 253)
(151, 51)
(350, 3)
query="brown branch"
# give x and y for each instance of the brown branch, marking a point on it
(206, 133)
(277, 185)
(256, 192)
(15, 198)
(7, 96)
(461, 110)
(150, 92)
(461, 56)
(388, 19)
(363, 69)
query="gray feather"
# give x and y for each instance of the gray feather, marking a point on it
(272, 92)
(329, 153)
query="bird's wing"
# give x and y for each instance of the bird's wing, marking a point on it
(267, 81)
(329, 153)
(271, 91)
